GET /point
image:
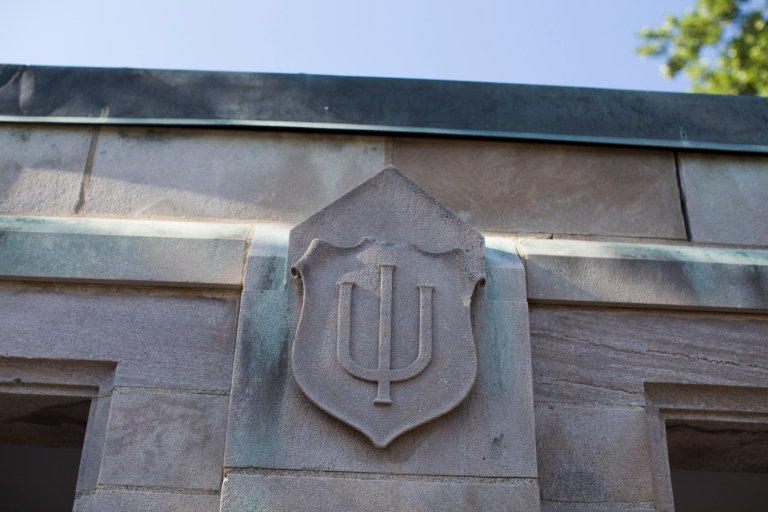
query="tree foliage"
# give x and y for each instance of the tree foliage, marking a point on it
(734, 32)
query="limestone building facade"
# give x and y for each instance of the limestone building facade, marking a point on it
(149, 221)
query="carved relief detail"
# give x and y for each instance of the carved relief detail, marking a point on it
(384, 374)
(356, 353)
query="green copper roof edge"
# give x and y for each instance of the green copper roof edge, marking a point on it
(392, 130)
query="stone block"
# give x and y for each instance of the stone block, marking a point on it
(666, 276)
(42, 168)
(606, 356)
(61, 377)
(122, 251)
(142, 501)
(726, 197)
(226, 174)
(591, 454)
(165, 440)
(548, 188)
(582, 507)
(163, 340)
(721, 400)
(273, 425)
(93, 444)
(358, 493)
(265, 267)
(505, 273)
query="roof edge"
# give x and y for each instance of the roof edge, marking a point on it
(387, 106)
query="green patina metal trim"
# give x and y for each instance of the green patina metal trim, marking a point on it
(682, 144)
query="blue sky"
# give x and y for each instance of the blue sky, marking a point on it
(588, 43)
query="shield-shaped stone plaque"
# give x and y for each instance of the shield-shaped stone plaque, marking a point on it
(385, 342)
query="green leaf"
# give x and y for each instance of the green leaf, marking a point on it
(736, 31)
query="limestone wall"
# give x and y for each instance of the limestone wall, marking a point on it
(123, 256)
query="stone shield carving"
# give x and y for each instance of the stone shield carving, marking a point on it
(384, 342)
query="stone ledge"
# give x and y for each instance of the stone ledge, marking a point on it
(658, 276)
(596, 507)
(294, 493)
(137, 500)
(122, 251)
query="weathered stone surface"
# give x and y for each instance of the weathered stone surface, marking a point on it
(712, 398)
(122, 251)
(41, 169)
(389, 206)
(593, 454)
(505, 273)
(384, 341)
(605, 356)
(563, 271)
(158, 340)
(726, 197)
(226, 174)
(545, 188)
(265, 267)
(93, 444)
(600, 507)
(143, 501)
(353, 493)
(65, 376)
(165, 440)
(398, 354)
(273, 425)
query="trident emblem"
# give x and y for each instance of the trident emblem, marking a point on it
(384, 375)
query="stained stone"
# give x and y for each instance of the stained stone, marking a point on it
(165, 440)
(272, 423)
(591, 454)
(124, 251)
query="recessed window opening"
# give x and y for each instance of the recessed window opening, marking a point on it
(41, 441)
(718, 466)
